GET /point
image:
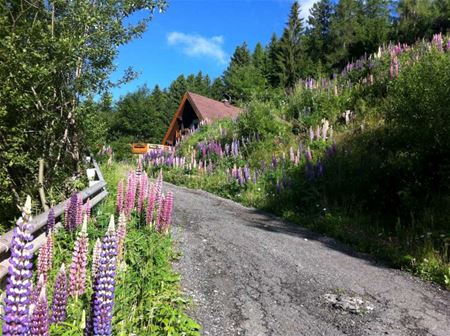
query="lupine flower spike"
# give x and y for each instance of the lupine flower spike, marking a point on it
(45, 257)
(96, 257)
(87, 209)
(35, 292)
(150, 204)
(18, 288)
(79, 262)
(60, 296)
(104, 285)
(50, 221)
(39, 318)
(121, 233)
(119, 202)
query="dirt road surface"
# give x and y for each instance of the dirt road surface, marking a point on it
(249, 273)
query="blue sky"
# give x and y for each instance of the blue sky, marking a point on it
(194, 35)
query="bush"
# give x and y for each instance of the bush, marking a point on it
(262, 118)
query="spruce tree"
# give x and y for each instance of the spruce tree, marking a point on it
(290, 53)
(319, 33)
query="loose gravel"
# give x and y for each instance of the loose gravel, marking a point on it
(250, 273)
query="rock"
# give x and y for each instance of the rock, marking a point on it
(351, 304)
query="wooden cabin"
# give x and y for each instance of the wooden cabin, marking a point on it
(193, 109)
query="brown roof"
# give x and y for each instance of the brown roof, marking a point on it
(205, 108)
(212, 109)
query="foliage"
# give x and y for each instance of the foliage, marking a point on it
(54, 54)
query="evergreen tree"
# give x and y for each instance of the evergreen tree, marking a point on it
(217, 89)
(347, 32)
(271, 67)
(259, 58)
(175, 92)
(319, 34)
(290, 53)
(376, 23)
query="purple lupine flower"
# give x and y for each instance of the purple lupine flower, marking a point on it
(319, 168)
(72, 213)
(150, 205)
(246, 173)
(36, 290)
(45, 257)
(18, 288)
(309, 171)
(77, 273)
(102, 302)
(448, 45)
(50, 221)
(39, 318)
(438, 41)
(60, 295)
(121, 233)
(96, 257)
(274, 162)
(119, 200)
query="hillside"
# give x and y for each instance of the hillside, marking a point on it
(362, 157)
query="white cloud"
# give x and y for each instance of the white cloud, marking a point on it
(197, 45)
(305, 6)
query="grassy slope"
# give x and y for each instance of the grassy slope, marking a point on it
(378, 193)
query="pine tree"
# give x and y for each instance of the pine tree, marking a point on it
(319, 33)
(376, 23)
(290, 53)
(347, 32)
(217, 89)
(271, 68)
(259, 58)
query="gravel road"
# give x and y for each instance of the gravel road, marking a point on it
(249, 273)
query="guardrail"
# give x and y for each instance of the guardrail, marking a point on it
(96, 192)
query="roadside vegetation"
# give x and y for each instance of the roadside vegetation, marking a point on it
(117, 279)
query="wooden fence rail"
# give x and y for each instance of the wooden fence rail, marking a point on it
(95, 193)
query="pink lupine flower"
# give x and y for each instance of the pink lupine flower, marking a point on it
(119, 203)
(121, 233)
(160, 214)
(87, 208)
(96, 257)
(79, 261)
(308, 154)
(143, 185)
(317, 133)
(130, 193)
(45, 257)
(168, 208)
(79, 211)
(150, 205)
(60, 296)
